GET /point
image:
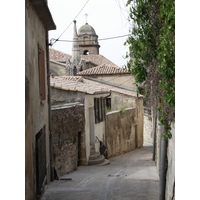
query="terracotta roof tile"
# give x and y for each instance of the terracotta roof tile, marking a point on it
(78, 83)
(59, 56)
(103, 70)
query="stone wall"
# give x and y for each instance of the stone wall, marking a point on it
(120, 131)
(68, 137)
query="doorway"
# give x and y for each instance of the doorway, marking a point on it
(40, 160)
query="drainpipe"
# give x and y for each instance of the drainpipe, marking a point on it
(163, 165)
(49, 108)
(106, 126)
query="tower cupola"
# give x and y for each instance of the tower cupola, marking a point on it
(88, 40)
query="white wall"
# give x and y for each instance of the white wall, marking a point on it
(99, 129)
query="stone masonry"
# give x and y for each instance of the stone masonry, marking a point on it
(68, 136)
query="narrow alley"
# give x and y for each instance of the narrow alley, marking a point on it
(132, 176)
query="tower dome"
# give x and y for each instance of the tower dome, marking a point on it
(86, 30)
(88, 40)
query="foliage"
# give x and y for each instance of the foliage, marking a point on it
(152, 54)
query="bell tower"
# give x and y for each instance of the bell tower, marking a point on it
(88, 40)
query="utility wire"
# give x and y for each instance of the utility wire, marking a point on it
(110, 38)
(53, 41)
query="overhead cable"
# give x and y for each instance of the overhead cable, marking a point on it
(53, 41)
(110, 38)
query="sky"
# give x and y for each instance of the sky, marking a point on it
(109, 18)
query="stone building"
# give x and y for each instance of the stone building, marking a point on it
(38, 21)
(93, 95)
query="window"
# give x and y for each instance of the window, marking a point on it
(108, 104)
(42, 74)
(86, 52)
(99, 108)
(74, 71)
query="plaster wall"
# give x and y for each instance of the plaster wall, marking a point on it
(121, 101)
(140, 120)
(36, 111)
(123, 80)
(121, 132)
(148, 129)
(99, 129)
(57, 69)
(59, 95)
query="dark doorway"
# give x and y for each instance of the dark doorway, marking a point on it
(40, 160)
(79, 149)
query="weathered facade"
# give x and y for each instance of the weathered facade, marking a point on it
(57, 68)
(38, 21)
(68, 137)
(123, 132)
(72, 89)
(170, 157)
(94, 97)
(111, 75)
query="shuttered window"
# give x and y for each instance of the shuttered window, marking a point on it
(42, 74)
(99, 108)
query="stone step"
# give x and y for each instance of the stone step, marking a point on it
(106, 162)
(94, 156)
(97, 161)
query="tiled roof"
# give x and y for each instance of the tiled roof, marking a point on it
(76, 83)
(104, 69)
(97, 59)
(79, 84)
(59, 56)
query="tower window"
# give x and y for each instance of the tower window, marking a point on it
(86, 52)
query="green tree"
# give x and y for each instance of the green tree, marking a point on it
(152, 54)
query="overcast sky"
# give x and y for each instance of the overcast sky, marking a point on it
(109, 18)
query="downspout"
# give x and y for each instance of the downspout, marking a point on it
(49, 108)
(106, 127)
(163, 165)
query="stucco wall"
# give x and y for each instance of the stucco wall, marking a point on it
(148, 129)
(99, 128)
(57, 69)
(36, 111)
(123, 80)
(67, 123)
(58, 95)
(121, 132)
(121, 101)
(140, 120)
